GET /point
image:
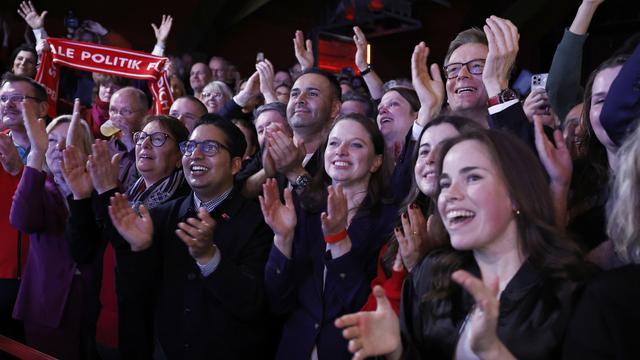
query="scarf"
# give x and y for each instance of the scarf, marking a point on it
(156, 194)
(107, 60)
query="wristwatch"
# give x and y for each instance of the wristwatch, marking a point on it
(366, 71)
(302, 181)
(502, 97)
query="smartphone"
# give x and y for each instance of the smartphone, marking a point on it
(259, 57)
(539, 81)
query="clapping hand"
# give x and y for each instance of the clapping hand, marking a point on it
(280, 217)
(483, 335)
(503, 38)
(428, 86)
(136, 229)
(372, 333)
(76, 177)
(9, 156)
(103, 168)
(197, 234)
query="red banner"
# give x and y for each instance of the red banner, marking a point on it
(107, 60)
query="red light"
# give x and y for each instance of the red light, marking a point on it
(376, 5)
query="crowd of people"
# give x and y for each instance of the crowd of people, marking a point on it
(296, 214)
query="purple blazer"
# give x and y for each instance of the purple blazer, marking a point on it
(40, 209)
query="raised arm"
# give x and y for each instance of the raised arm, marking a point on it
(162, 33)
(563, 83)
(373, 81)
(266, 73)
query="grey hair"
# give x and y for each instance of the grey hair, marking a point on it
(623, 205)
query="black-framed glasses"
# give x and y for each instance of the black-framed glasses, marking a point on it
(17, 98)
(157, 138)
(124, 112)
(208, 147)
(475, 67)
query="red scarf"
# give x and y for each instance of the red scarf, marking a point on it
(107, 60)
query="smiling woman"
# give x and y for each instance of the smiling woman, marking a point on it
(495, 205)
(330, 242)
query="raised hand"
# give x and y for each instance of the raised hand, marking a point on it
(9, 157)
(361, 48)
(95, 27)
(334, 220)
(303, 50)
(483, 336)
(162, 32)
(197, 234)
(250, 90)
(38, 138)
(280, 217)
(372, 333)
(558, 163)
(503, 38)
(537, 103)
(136, 229)
(74, 134)
(556, 159)
(73, 168)
(428, 86)
(103, 168)
(27, 11)
(266, 74)
(413, 237)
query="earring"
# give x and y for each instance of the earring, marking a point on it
(517, 212)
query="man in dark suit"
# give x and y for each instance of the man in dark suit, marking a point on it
(206, 253)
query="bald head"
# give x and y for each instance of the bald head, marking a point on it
(127, 108)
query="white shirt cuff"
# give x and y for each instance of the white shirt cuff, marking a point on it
(208, 268)
(416, 129)
(499, 107)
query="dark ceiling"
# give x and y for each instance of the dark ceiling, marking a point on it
(238, 30)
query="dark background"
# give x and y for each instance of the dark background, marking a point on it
(239, 29)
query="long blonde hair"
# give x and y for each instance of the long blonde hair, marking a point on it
(623, 206)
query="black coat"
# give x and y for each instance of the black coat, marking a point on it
(223, 315)
(534, 314)
(605, 323)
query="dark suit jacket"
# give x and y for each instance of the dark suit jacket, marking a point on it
(311, 301)
(220, 316)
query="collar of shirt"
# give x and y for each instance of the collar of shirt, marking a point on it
(211, 204)
(22, 152)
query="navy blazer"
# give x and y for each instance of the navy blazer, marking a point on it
(223, 315)
(295, 287)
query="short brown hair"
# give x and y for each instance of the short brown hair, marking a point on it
(470, 36)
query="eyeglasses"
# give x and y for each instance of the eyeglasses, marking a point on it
(157, 138)
(214, 95)
(475, 67)
(208, 147)
(123, 112)
(17, 98)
